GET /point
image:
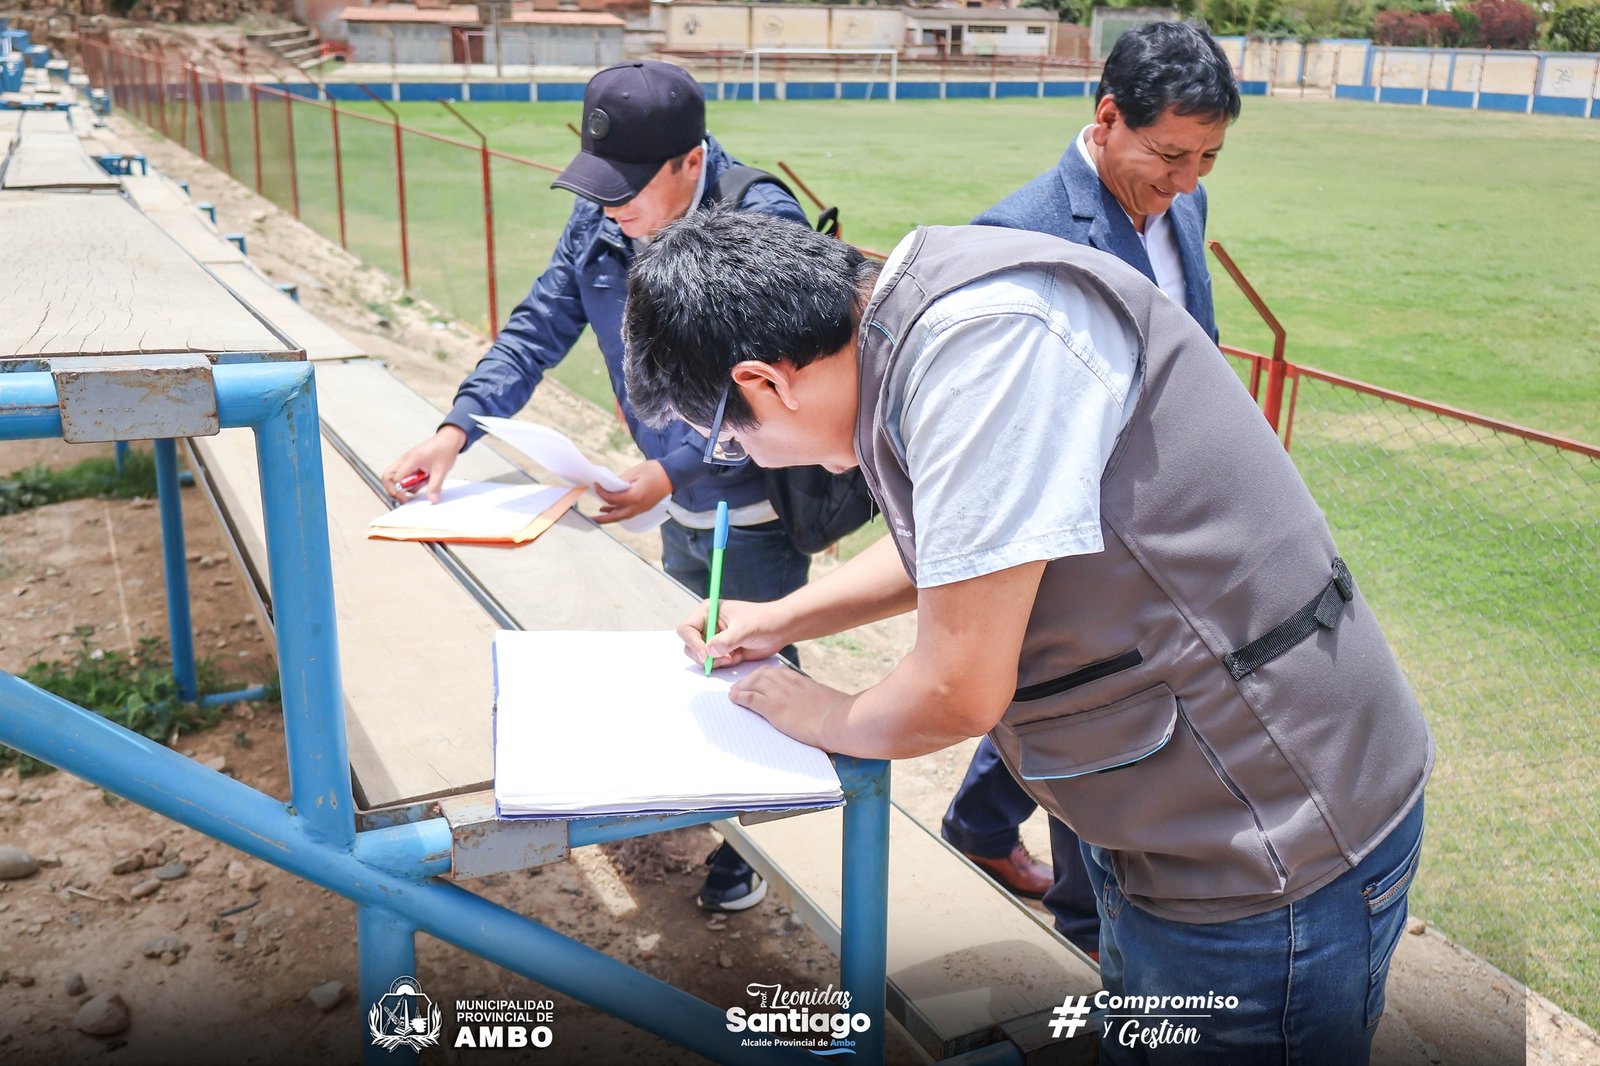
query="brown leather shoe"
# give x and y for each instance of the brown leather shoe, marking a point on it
(1019, 872)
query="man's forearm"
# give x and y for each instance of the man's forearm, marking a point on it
(871, 586)
(958, 680)
(907, 714)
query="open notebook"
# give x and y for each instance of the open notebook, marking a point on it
(623, 723)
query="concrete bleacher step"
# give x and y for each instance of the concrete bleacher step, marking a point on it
(319, 340)
(967, 964)
(46, 154)
(174, 212)
(169, 206)
(105, 248)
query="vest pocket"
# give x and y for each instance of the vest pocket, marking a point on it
(1133, 778)
(1080, 677)
(1092, 742)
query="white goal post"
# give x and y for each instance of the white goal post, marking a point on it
(878, 55)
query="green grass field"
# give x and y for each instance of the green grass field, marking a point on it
(1449, 255)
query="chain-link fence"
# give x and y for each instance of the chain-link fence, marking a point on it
(1478, 544)
(415, 203)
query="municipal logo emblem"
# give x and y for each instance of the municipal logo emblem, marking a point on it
(405, 1017)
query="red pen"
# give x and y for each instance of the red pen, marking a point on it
(413, 479)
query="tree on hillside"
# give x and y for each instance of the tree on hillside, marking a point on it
(1505, 23)
(1417, 29)
(1575, 28)
(1065, 10)
(1247, 18)
(1317, 19)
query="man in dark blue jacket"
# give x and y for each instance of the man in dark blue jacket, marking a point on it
(1129, 185)
(646, 160)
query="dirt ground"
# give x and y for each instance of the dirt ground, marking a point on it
(246, 943)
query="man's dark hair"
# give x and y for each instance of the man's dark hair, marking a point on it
(1163, 65)
(722, 286)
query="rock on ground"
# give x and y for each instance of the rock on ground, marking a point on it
(16, 864)
(104, 1015)
(327, 996)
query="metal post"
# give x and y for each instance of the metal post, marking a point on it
(289, 457)
(400, 181)
(199, 112)
(255, 123)
(294, 164)
(499, 70)
(755, 76)
(338, 175)
(1538, 77)
(1277, 370)
(488, 214)
(180, 629)
(162, 104)
(222, 107)
(387, 944)
(148, 98)
(864, 903)
(1594, 90)
(894, 76)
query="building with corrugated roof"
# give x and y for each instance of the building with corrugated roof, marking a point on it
(516, 34)
(700, 26)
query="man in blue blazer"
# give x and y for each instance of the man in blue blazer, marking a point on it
(1129, 185)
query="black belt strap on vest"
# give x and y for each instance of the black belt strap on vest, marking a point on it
(1321, 613)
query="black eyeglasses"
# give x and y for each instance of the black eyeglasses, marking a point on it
(720, 451)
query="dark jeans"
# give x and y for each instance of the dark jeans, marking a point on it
(759, 563)
(1309, 976)
(983, 819)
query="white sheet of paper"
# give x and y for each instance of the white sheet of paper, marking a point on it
(622, 723)
(556, 453)
(474, 509)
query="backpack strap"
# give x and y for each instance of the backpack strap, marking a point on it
(736, 180)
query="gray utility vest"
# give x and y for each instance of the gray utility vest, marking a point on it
(1209, 698)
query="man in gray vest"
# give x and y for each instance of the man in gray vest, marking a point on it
(1129, 184)
(1118, 575)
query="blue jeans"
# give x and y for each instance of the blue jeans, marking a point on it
(983, 820)
(760, 563)
(1309, 976)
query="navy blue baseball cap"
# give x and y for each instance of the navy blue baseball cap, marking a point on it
(636, 116)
